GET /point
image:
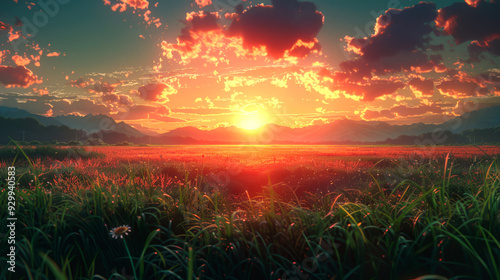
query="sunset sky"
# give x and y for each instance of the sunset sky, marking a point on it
(159, 65)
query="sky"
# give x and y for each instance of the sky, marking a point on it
(160, 65)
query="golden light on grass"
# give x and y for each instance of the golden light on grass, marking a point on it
(120, 231)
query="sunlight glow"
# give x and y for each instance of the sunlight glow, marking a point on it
(252, 121)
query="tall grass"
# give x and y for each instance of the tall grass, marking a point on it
(438, 221)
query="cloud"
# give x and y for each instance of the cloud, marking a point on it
(316, 81)
(475, 21)
(33, 104)
(156, 92)
(287, 29)
(20, 61)
(52, 54)
(103, 87)
(365, 90)
(19, 76)
(203, 3)
(464, 106)
(80, 82)
(399, 43)
(122, 5)
(422, 87)
(401, 111)
(201, 111)
(286, 26)
(370, 90)
(81, 106)
(137, 4)
(201, 36)
(5, 26)
(154, 112)
(462, 85)
(117, 99)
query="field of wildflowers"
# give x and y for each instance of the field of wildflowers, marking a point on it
(246, 212)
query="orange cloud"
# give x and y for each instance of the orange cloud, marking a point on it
(52, 54)
(123, 4)
(41, 91)
(313, 81)
(21, 61)
(203, 3)
(14, 35)
(5, 26)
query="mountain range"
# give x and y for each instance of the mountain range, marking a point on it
(343, 130)
(338, 131)
(89, 123)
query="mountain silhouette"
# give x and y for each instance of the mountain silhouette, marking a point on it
(338, 131)
(89, 123)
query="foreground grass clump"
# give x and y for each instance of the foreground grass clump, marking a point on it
(438, 221)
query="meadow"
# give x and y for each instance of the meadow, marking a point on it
(253, 212)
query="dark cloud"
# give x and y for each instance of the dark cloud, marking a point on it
(368, 89)
(398, 30)
(197, 23)
(103, 87)
(278, 27)
(422, 87)
(399, 43)
(82, 106)
(463, 85)
(202, 21)
(288, 28)
(478, 21)
(156, 92)
(373, 89)
(402, 111)
(414, 61)
(117, 99)
(19, 76)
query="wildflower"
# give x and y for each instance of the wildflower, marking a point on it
(119, 231)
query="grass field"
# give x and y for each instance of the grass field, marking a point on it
(253, 212)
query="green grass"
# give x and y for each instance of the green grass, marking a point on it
(440, 217)
(11, 153)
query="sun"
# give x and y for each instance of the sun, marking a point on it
(251, 121)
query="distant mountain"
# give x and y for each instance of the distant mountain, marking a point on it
(30, 129)
(484, 118)
(89, 123)
(15, 113)
(94, 123)
(343, 130)
(337, 132)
